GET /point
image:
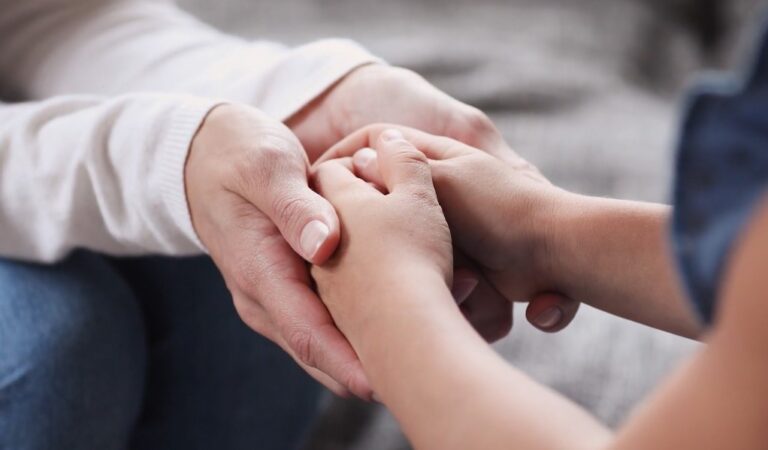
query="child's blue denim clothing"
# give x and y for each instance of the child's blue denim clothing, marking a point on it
(722, 171)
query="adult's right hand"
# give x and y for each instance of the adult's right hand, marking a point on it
(251, 206)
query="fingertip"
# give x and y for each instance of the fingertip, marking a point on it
(363, 158)
(464, 283)
(361, 387)
(325, 248)
(320, 237)
(366, 165)
(391, 134)
(551, 312)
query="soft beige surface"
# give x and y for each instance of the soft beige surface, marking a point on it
(586, 89)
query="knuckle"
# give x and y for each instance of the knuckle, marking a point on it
(268, 159)
(471, 125)
(289, 209)
(404, 152)
(424, 196)
(302, 342)
(477, 120)
(252, 316)
(244, 272)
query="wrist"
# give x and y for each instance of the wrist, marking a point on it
(555, 234)
(392, 298)
(586, 234)
(533, 246)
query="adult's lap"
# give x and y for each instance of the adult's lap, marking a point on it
(72, 355)
(146, 353)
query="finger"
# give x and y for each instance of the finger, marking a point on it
(488, 311)
(314, 339)
(267, 272)
(256, 318)
(465, 281)
(435, 147)
(551, 312)
(366, 163)
(402, 166)
(334, 178)
(279, 188)
(321, 377)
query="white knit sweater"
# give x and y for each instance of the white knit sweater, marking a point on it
(102, 99)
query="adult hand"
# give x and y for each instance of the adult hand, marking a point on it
(246, 180)
(497, 212)
(379, 93)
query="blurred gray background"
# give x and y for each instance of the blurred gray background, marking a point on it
(588, 90)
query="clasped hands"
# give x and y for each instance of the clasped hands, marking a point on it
(390, 204)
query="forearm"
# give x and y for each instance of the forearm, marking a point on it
(613, 255)
(110, 47)
(718, 399)
(83, 172)
(447, 387)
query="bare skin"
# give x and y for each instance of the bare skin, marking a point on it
(252, 207)
(444, 384)
(531, 238)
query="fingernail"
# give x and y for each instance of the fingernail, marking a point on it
(549, 318)
(364, 157)
(391, 135)
(463, 288)
(312, 237)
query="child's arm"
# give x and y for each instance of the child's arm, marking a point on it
(387, 289)
(613, 255)
(720, 399)
(532, 237)
(450, 391)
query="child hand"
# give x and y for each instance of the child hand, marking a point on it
(387, 239)
(498, 211)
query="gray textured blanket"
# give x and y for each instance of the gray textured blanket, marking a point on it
(588, 90)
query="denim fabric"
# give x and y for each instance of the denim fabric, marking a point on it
(722, 170)
(140, 353)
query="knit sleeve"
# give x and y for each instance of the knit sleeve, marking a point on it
(111, 47)
(107, 175)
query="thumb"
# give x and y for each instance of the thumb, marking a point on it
(278, 187)
(306, 220)
(403, 166)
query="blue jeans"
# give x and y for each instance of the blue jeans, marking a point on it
(143, 353)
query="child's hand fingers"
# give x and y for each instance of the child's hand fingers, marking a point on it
(435, 147)
(465, 282)
(332, 178)
(551, 312)
(402, 166)
(366, 163)
(488, 311)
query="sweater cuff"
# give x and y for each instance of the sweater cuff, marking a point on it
(305, 72)
(184, 123)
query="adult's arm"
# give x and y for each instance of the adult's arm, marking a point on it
(107, 175)
(118, 176)
(108, 47)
